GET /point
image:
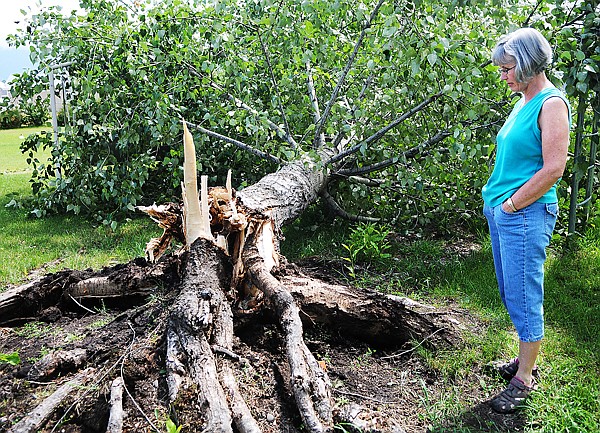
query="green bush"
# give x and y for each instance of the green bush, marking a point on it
(10, 118)
(35, 113)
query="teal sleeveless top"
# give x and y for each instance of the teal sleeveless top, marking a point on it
(519, 151)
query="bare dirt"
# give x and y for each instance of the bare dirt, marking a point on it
(392, 388)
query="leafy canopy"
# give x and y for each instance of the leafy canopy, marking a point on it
(241, 68)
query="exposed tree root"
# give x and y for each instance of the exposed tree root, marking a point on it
(32, 300)
(115, 420)
(57, 362)
(38, 416)
(375, 317)
(309, 381)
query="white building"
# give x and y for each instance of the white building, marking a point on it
(4, 90)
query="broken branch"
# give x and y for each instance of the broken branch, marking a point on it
(38, 417)
(115, 420)
(395, 159)
(276, 89)
(337, 209)
(237, 143)
(312, 94)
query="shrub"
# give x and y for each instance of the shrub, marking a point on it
(35, 113)
(10, 118)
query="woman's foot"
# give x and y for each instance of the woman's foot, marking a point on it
(508, 370)
(514, 396)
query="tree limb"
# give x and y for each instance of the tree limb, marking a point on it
(312, 94)
(115, 420)
(276, 88)
(241, 104)
(379, 134)
(337, 209)
(38, 417)
(341, 135)
(342, 79)
(235, 142)
(366, 181)
(395, 159)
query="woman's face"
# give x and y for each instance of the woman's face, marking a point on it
(507, 73)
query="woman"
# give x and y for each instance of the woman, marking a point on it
(520, 201)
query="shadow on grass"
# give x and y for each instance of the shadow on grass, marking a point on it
(481, 418)
(572, 296)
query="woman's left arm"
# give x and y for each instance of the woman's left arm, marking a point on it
(554, 124)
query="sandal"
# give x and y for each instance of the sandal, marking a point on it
(514, 396)
(507, 370)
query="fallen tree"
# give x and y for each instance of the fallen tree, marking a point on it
(226, 271)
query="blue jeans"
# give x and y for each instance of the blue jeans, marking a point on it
(519, 242)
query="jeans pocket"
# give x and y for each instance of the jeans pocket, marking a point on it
(552, 209)
(550, 217)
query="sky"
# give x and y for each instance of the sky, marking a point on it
(12, 60)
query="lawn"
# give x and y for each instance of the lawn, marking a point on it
(56, 242)
(11, 158)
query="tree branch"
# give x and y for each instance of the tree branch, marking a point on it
(276, 88)
(235, 142)
(339, 138)
(395, 159)
(314, 102)
(272, 125)
(342, 79)
(337, 209)
(240, 104)
(379, 134)
(366, 181)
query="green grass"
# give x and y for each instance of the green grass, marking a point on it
(11, 158)
(56, 242)
(63, 241)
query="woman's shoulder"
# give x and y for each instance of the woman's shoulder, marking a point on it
(552, 97)
(555, 102)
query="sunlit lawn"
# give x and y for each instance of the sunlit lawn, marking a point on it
(27, 243)
(11, 158)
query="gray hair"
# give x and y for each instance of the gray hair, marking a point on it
(528, 49)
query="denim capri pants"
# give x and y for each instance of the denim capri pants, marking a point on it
(519, 242)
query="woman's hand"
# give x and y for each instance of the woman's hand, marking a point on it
(506, 207)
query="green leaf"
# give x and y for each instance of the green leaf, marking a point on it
(432, 58)
(10, 358)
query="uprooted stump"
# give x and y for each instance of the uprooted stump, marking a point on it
(182, 316)
(194, 355)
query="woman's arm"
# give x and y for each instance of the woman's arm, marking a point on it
(554, 124)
